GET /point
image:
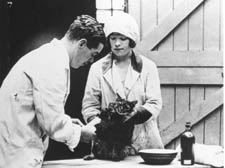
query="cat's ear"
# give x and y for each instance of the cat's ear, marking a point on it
(118, 97)
(134, 102)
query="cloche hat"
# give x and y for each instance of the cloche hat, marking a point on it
(124, 24)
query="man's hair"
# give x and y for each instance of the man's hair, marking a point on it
(87, 27)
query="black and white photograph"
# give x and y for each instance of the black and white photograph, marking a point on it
(111, 83)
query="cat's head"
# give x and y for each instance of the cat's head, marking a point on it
(120, 107)
(123, 106)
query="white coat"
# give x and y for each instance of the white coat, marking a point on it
(143, 85)
(32, 99)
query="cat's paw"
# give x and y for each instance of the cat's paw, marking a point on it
(89, 157)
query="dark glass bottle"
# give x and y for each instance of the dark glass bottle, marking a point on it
(187, 143)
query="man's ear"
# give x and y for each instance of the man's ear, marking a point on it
(82, 43)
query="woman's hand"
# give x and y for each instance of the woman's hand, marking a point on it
(137, 116)
(95, 121)
(77, 121)
(129, 118)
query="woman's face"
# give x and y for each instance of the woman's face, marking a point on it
(120, 44)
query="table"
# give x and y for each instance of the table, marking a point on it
(129, 162)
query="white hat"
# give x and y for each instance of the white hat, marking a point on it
(124, 24)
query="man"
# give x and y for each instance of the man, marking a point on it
(33, 95)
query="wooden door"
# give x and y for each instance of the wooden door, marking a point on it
(184, 39)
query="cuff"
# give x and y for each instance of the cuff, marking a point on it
(75, 139)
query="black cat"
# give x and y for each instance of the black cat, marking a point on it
(113, 134)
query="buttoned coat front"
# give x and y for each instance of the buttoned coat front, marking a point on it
(143, 86)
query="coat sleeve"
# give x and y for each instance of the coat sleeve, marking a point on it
(49, 90)
(91, 104)
(153, 102)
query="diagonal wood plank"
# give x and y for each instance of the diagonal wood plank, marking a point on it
(154, 37)
(194, 116)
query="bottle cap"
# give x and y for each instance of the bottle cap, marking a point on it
(188, 124)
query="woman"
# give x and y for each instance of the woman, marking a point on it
(129, 75)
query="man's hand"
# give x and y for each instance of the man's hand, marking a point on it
(87, 133)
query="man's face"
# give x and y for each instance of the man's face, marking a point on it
(84, 55)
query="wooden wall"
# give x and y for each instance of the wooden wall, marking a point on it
(184, 38)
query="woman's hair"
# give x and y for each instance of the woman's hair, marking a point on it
(132, 44)
(87, 27)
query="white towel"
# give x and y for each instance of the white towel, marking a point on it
(207, 154)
